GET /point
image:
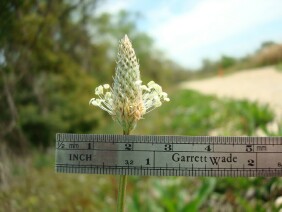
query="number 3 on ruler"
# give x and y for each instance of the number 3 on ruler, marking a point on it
(168, 147)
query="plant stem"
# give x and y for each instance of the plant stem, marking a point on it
(122, 188)
(121, 192)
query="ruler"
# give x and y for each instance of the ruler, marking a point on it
(148, 155)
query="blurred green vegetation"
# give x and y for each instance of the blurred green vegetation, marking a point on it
(279, 66)
(52, 56)
(30, 184)
(268, 54)
(195, 114)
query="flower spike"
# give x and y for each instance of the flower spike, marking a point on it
(128, 100)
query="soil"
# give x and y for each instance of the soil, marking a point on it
(263, 85)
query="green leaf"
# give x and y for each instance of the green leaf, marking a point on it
(208, 185)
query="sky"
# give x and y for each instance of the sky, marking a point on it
(190, 31)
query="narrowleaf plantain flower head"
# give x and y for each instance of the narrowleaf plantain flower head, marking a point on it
(128, 100)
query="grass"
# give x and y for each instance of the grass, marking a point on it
(279, 67)
(30, 184)
(190, 113)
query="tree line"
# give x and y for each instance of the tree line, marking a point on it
(52, 56)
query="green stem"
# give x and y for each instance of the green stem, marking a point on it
(121, 192)
(122, 188)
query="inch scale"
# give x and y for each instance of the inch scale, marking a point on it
(168, 155)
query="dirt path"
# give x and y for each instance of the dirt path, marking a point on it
(263, 85)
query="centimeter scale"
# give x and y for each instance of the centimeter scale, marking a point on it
(168, 155)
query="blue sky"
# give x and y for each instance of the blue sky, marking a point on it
(189, 31)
